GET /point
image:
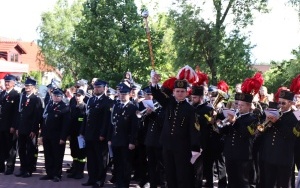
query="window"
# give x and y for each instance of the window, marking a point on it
(14, 57)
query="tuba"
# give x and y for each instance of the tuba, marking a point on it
(220, 96)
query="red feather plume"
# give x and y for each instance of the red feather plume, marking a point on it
(187, 73)
(276, 96)
(295, 86)
(169, 83)
(222, 85)
(202, 77)
(252, 85)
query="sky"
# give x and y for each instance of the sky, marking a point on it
(274, 34)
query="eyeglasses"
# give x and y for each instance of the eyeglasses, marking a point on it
(282, 103)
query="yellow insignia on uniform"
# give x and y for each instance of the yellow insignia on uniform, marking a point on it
(251, 130)
(80, 119)
(296, 132)
(207, 117)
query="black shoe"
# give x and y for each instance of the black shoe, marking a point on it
(46, 177)
(56, 179)
(113, 180)
(78, 176)
(72, 175)
(87, 184)
(26, 175)
(99, 184)
(20, 174)
(8, 171)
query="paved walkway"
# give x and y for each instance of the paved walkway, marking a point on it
(10, 181)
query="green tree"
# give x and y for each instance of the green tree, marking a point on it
(111, 40)
(56, 31)
(210, 42)
(282, 73)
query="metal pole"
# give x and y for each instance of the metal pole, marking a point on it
(145, 15)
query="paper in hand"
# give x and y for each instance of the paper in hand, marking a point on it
(297, 114)
(81, 142)
(195, 156)
(148, 104)
(227, 111)
(272, 112)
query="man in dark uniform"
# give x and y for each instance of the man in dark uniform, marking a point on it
(30, 108)
(9, 100)
(278, 144)
(202, 110)
(123, 135)
(94, 130)
(54, 133)
(238, 143)
(77, 112)
(153, 121)
(180, 133)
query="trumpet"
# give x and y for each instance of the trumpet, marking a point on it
(142, 113)
(262, 127)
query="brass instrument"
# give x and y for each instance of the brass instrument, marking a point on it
(142, 113)
(262, 127)
(221, 96)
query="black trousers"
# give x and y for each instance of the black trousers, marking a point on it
(27, 149)
(277, 175)
(155, 166)
(238, 173)
(76, 152)
(179, 170)
(8, 150)
(211, 157)
(198, 171)
(123, 165)
(54, 155)
(96, 152)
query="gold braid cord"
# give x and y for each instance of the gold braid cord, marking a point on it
(197, 124)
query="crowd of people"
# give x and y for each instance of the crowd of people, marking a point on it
(181, 133)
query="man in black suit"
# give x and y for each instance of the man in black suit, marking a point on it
(9, 100)
(238, 140)
(54, 133)
(123, 135)
(278, 144)
(94, 130)
(30, 108)
(180, 133)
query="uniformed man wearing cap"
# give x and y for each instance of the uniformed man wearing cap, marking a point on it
(202, 110)
(54, 133)
(278, 144)
(180, 133)
(77, 113)
(123, 135)
(153, 120)
(30, 108)
(238, 140)
(94, 130)
(9, 100)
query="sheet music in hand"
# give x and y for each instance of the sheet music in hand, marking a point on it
(272, 112)
(297, 114)
(148, 104)
(227, 111)
(81, 142)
